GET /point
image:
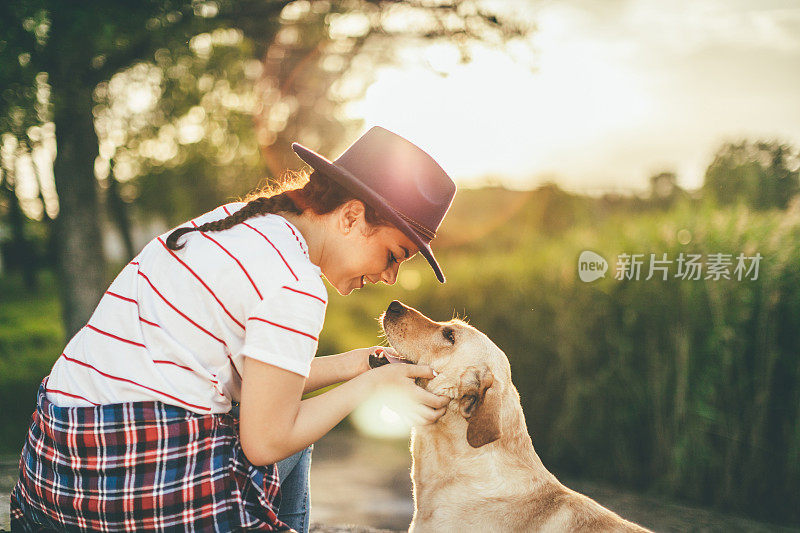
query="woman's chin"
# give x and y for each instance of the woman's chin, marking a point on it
(350, 287)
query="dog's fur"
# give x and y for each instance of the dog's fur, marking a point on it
(475, 468)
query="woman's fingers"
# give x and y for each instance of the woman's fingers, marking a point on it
(435, 414)
(423, 415)
(419, 371)
(430, 399)
(421, 406)
(423, 396)
(381, 350)
(427, 407)
(377, 351)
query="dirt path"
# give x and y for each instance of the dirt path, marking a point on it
(357, 480)
(366, 482)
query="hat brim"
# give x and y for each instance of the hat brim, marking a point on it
(375, 200)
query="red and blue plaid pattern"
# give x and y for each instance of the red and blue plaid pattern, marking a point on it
(139, 465)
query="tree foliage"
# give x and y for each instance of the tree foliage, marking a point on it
(178, 104)
(761, 174)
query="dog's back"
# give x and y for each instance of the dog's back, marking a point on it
(563, 509)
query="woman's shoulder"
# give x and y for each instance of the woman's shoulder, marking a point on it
(260, 235)
(264, 251)
(277, 247)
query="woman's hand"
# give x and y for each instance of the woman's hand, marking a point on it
(361, 356)
(421, 407)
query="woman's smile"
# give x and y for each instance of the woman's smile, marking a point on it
(350, 252)
(362, 281)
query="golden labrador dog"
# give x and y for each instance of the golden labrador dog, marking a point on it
(475, 468)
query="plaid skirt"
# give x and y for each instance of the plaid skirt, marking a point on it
(139, 466)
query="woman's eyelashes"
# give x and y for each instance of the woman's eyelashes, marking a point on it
(391, 259)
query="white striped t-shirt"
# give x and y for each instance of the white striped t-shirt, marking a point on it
(174, 325)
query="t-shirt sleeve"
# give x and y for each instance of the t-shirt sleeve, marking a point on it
(283, 329)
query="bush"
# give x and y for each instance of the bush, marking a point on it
(682, 387)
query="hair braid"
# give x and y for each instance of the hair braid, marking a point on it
(260, 205)
(319, 193)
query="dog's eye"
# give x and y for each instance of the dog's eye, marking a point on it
(449, 334)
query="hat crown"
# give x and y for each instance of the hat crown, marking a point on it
(397, 178)
(410, 180)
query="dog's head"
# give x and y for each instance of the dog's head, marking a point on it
(472, 369)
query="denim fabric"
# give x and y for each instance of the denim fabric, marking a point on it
(295, 506)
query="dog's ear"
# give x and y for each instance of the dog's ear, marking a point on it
(479, 403)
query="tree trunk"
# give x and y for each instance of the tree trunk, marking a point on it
(81, 265)
(117, 211)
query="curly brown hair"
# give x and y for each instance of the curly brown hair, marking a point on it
(302, 191)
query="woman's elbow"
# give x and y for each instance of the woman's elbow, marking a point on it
(259, 449)
(259, 453)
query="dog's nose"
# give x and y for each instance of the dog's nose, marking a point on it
(395, 308)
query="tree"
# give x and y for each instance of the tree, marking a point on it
(664, 190)
(761, 174)
(68, 50)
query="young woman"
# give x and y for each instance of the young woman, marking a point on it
(136, 426)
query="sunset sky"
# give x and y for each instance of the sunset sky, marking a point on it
(621, 89)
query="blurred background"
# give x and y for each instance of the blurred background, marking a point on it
(620, 127)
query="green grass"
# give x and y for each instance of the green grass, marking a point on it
(31, 339)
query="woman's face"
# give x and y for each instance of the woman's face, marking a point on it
(362, 253)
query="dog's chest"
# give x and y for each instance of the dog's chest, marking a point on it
(442, 460)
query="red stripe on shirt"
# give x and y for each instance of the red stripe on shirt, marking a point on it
(148, 322)
(270, 242)
(202, 282)
(71, 395)
(165, 362)
(115, 336)
(234, 366)
(87, 365)
(253, 283)
(121, 297)
(198, 326)
(225, 207)
(284, 327)
(295, 237)
(306, 293)
(276, 249)
(133, 301)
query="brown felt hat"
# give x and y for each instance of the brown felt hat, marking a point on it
(395, 177)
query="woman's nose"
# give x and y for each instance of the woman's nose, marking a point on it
(389, 276)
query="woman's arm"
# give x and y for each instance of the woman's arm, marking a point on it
(275, 423)
(329, 369)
